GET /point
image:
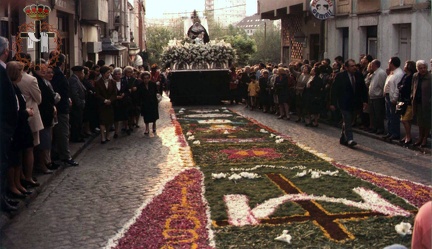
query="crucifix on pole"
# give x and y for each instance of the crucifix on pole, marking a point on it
(37, 12)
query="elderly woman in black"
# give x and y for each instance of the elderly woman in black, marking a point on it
(106, 94)
(22, 138)
(421, 101)
(47, 111)
(281, 89)
(147, 91)
(121, 105)
(314, 88)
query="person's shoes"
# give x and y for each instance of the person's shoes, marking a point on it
(372, 131)
(14, 195)
(407, 142)
(115, 135)
(53, 166)
(81, 140)
(418, 143)
(137, 126)
(154, 130)
(298, 120)
(28, 184)
(280, 117)
(314, 125)
(351, 143)
(27, 192)
(103, 142)
(45, 171)
(424, 146)
(146, 133)
(379, 132)
(107, 140)
(128, 131)
(342, 140)
(11, 201)
(70, 162)
(308, 124)
(386, 136)
(6, 206)
(393, 137)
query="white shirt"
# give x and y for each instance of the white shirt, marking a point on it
(390, 86)
(376, 87)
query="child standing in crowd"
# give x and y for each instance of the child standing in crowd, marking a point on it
(253, 90)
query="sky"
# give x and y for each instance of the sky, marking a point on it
(155, 8)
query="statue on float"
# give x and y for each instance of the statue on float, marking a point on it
(197, 32)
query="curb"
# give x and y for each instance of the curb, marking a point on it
(44, 180)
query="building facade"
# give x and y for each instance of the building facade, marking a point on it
(250, 24)
(225, 12)
(382, 28)
(88, 30)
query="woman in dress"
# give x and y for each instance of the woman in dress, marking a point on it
(106, 95)
(314, 87)
(281, 89)
(302, 79)
(121, 105)
(22, 138)
(147, 91)
(47, 111)
(421, 101)
(404, 88)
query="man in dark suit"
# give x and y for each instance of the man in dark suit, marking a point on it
(349, 94)
(61, 130)
(77, 93)
(8, 122)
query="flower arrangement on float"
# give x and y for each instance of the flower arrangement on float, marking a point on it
(183, 55)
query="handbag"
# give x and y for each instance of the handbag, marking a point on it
(159, 97)
(401, 108)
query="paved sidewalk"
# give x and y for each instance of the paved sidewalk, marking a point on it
(44, 180)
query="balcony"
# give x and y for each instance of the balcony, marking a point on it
(275, 9)
(95, 11)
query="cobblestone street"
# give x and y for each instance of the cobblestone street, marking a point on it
(85, 206)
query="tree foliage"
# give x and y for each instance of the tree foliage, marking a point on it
(268, 42)
(157, 39)
(244, 47)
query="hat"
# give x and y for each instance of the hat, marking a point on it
(77, 68)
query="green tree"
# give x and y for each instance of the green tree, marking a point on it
(268, 42)
(157, 38)
(244, 47)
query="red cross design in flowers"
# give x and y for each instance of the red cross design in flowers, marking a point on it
(268, 153)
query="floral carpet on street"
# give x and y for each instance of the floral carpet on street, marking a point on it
(255, 188)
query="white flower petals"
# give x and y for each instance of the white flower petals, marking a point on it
(317, 173)
(189, 133)
(235, 176)
(403, 228)
(284, 237)
(191, 138)
(263, 131)
(278, 141)
(196, 142)
(226, 132)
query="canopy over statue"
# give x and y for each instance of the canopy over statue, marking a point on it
(197, 32)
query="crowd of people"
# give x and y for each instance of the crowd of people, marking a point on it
(43, 110)
(365, 94)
